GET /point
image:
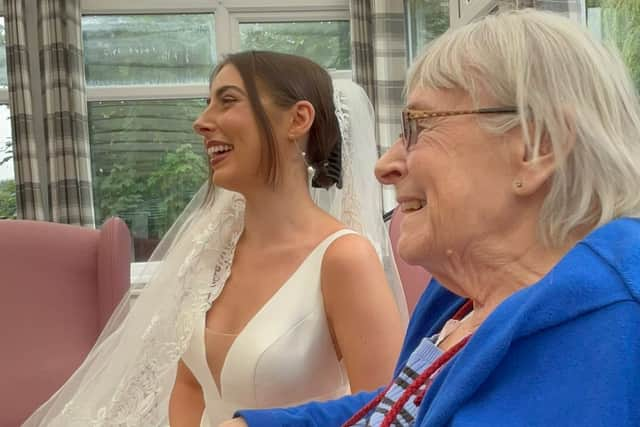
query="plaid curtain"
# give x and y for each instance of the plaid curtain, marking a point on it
(380, 63)
(28, 190)
(362, 46)
(378, 50)
(65, 111)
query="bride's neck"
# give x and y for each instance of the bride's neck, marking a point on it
(272, 214)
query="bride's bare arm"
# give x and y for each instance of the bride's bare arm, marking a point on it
(364, 318)
(187, 403)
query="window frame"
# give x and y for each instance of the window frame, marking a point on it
(465, 11)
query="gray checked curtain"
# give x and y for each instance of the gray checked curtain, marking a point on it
(64, 118)
(379, 58)
(378, 50)
(28, 189)
(65, 111)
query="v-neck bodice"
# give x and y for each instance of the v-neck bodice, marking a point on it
(283, 356)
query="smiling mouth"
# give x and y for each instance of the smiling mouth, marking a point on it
(412, 205)
(218, 149)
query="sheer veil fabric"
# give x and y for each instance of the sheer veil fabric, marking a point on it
(127, 378)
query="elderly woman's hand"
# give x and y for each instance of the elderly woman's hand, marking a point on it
(236, 422)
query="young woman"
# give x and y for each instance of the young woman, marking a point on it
(264, 299)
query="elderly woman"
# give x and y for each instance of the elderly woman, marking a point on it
(519, 173)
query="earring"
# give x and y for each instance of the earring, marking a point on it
(518, 184)
(310, 170)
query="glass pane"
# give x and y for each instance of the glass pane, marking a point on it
(148, 49)
(618, 22)
(326, 42)
(7, 178)
(427, 19)
(146, 163)
(3, 55)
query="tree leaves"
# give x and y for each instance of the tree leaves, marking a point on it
(154, 199)
(7, 199)
(621, 26)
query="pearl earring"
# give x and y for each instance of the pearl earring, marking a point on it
(310, 170)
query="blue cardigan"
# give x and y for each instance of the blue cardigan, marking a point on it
(563, 352)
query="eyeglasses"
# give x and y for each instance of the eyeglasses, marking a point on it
(410, 120)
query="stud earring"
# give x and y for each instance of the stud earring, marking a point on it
(518, 183)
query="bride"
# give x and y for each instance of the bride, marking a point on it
(259, 297)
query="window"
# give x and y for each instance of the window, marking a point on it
(147, 76)
(148, 49)
(147, 67)
(618, 22)
(146, 164)
(464, 11)
(426, 20)
(319, 30)
(326, 42)
(7, 177)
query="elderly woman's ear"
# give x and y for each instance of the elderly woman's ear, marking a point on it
(536, 165)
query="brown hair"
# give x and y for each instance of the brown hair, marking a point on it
(287, 79)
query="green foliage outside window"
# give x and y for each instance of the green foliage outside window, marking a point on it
(151, 198)
(8, 199)
(326, 42)
(618, 22)
(146, 161)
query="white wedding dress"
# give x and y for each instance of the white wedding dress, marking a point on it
(284, 355)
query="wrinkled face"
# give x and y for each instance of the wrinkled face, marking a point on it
(231, 134)
(454, 185)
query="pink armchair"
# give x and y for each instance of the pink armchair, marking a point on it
(58, 286)
(414, 279)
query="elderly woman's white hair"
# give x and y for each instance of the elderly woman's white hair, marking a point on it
(568, 88)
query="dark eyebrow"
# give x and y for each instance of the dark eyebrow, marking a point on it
(222, 89)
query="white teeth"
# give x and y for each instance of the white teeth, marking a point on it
(412, 205)
(219, 149)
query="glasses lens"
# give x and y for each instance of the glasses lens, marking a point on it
(406, 131)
